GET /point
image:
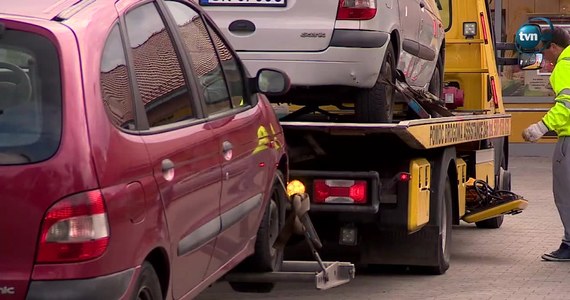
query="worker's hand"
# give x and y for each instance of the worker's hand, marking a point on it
(534, 132)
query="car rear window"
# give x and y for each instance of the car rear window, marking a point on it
(30, 98)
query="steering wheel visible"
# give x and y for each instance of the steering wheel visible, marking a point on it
(18, 81)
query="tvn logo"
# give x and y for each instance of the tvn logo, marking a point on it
(7, 290)
(529, 36)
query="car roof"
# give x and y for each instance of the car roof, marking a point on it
(43, 9)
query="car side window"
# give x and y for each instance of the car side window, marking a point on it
(161, 82)
(203, 57)
(234, 75)
(115, 85)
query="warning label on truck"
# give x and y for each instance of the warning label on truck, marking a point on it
(463, 131)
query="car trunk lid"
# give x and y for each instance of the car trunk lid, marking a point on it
(290, 25)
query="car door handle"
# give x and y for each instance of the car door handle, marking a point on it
(167, 167)
(227, 146)
(227, 150)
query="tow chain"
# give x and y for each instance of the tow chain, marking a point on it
(299, 222)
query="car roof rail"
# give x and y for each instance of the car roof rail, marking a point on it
(72, 10)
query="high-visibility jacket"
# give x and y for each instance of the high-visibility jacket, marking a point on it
(558, 117)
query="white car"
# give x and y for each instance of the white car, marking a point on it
(338, 51)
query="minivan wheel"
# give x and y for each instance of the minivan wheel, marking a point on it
(376, 105)
(266, 258)
(148, 285)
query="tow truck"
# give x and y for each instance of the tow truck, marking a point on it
(389, 193)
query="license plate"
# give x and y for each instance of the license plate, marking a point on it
(271, 3)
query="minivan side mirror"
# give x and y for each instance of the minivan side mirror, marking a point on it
(271, 82)
(530, 61)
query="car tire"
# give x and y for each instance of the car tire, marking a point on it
(148, 285)
(266, 258)
(376, 105)
(444, 237)
(436, 82)
(496, 222)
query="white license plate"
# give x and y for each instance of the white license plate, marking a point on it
(274, 3)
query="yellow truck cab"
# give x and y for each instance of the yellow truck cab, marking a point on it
(389, 193)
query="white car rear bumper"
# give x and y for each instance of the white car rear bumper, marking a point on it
(348, 66)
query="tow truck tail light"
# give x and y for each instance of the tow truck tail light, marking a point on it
(340, 191)
(356, 9)
(74, 229)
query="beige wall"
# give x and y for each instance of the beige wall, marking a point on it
(517, 11)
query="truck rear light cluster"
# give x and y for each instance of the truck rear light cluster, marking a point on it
(74, 229)
(356, 10)
(340, 191)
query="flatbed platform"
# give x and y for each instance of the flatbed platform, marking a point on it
(419, 133)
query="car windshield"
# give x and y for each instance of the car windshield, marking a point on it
(30, 98)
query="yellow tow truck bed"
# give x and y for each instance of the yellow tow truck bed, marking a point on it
(421, 133)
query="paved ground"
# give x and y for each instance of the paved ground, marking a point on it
(486, 264)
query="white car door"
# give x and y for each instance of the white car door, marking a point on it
(430, 37)
(410, 19)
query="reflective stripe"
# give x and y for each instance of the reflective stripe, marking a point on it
(565, 103)
(564, 92)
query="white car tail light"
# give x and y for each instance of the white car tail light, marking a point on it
(74, 229)
(356, 10)
(340, 191)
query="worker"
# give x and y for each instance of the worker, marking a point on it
(558, 120)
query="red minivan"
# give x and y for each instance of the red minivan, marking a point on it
(138, 159)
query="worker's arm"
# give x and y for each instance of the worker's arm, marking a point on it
(555, 119)
(558, 116)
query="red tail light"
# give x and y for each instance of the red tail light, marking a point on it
(356, 10)
(340, 191)
(74, 229)
(404, 176)
(485, 37)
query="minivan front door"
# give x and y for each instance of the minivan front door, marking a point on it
(181, 147)
(236, 127)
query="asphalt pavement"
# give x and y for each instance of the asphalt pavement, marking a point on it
(499, 263)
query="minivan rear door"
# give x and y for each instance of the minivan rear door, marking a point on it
(41, 161)
(275, 25)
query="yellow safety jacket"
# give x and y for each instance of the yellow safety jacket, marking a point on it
(558, 117)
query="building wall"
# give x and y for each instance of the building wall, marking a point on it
(517, 11)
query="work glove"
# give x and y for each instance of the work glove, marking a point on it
(534, 132)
